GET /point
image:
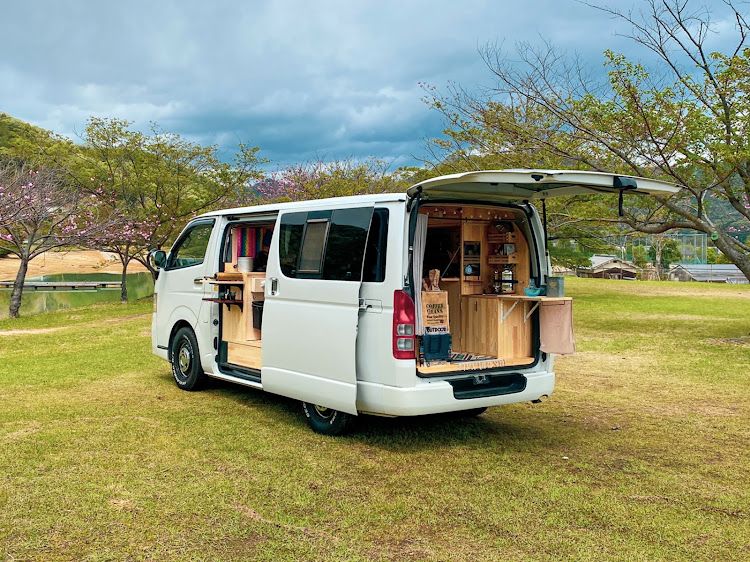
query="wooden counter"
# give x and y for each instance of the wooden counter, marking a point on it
(499, 325)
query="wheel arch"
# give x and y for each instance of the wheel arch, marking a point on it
(176, 328)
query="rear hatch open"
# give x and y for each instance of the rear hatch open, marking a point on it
(532, 185)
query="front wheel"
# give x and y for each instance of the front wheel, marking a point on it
(325, 421)
(186, 364)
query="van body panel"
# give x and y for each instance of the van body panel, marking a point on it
(436, 396)
(529, 185)
(312, 355)
(180, 291)
(321, 390)
(374, 356)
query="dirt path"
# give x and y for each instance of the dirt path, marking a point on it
(32, 331)
(80, 261)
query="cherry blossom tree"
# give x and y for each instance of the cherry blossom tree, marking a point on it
(320, 179)
(39, 211)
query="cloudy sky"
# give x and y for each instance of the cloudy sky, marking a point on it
(304, 80)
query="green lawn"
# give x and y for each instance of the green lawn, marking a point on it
(642, 453)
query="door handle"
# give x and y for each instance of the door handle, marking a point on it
(274, 285)
(198, 281)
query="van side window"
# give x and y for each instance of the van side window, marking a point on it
(190, 249)
(290, 241)
(346, 244)
(324, 244)
(313, 246)
(377, 244)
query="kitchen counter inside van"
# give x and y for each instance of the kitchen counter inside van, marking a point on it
(506, 296)
(500, 325)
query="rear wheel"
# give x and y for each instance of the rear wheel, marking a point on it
(325, 421)
(186, 364)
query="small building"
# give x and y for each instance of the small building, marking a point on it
(610, 267)
(559, 270)
(709, 273)
(649, 273)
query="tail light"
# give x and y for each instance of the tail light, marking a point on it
(403, 326)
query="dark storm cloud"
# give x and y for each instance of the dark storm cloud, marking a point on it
(303, 80)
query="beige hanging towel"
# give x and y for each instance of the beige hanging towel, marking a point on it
(556, 327)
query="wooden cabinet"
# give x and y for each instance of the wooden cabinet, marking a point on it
(514, 330)
(496, 326)
(237, 316)
(479, 324)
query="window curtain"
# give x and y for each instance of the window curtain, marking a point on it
(420, 238)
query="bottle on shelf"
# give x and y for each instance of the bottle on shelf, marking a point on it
(507, 279)
(496, 284)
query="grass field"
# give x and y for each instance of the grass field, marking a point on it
(642, 452)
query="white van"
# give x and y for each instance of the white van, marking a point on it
(435, 300)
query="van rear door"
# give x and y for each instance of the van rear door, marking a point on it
(530, 185)
(311, 310)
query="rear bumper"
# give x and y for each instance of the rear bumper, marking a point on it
(437, 396)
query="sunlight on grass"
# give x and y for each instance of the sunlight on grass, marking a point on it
(641, 453)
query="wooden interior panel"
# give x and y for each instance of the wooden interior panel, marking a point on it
(247, 309)
(436, 369)
(233, 325)
(479, 325)
(245, 354)
(514, 334)
(475, 311)
(453, 288)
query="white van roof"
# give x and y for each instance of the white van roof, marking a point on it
(309, 204)
(491, 185)
(520, 184)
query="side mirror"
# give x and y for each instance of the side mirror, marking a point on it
(158, 258)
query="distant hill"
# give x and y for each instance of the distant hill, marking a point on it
(12, 129)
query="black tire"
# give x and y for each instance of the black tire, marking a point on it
(186, 363)
(326, 421)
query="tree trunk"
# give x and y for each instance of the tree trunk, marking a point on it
(658, 247)
(15, 295)
(124, 280)
(147, 265)
(729, 248)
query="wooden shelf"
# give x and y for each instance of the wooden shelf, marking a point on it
(227, 302)
(500, 259)
(501, 238)
(227, 283)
